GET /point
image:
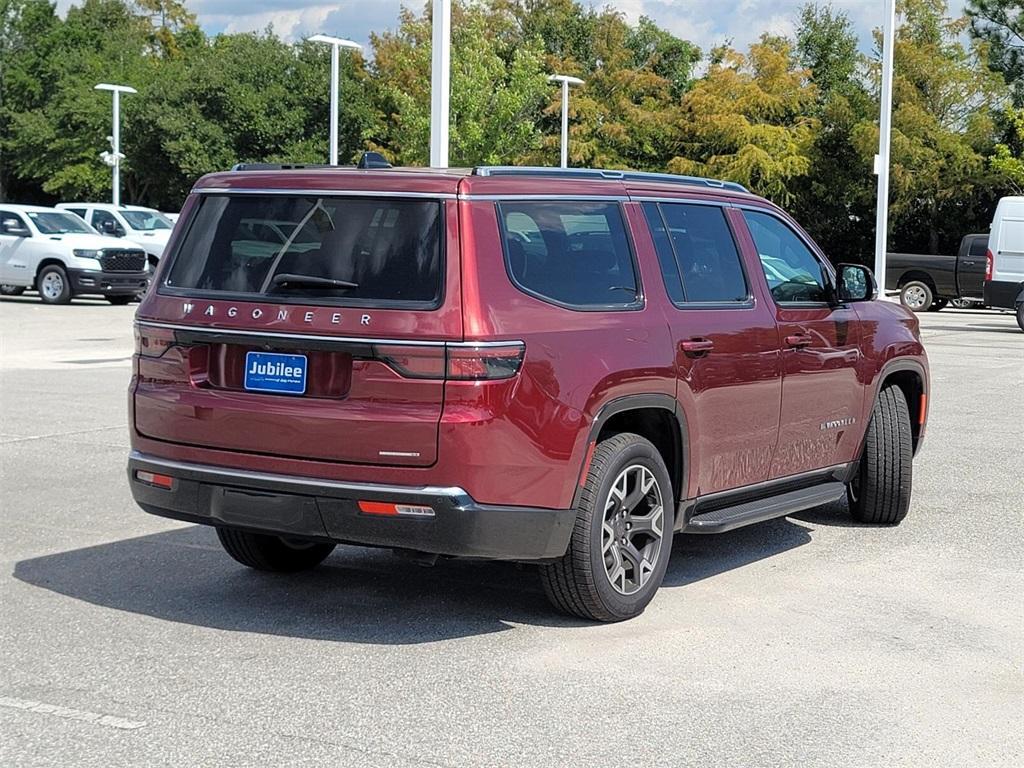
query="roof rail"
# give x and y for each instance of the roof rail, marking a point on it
(368, 161)
(597, 173)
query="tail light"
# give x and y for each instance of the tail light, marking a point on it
(485, 362)
(989, 265)
(473, 362)
(152, 342)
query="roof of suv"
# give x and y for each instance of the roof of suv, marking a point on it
(15, 207)
(482, 181)
(108, 206)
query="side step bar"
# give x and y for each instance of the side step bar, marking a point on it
(728, 518)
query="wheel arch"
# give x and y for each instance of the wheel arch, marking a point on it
(46, 262)
(910, 376)
(919, 276)
(656, 417)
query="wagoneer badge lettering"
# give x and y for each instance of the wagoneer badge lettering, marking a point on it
(257, 313)
(838, 423)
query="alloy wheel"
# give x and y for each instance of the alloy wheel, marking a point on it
(632, 529)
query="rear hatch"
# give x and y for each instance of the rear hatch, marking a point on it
(304, 324)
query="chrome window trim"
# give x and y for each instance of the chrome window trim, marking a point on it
(320, 192)
(685, 200)
(213, 330)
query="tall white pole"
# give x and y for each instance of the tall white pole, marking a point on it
(336, 43)
(334, 104)
(440, 83)
(116, 199)
(565, 123)
(884, 142)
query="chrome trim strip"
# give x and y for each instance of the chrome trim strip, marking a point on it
(312, 483)
(325, 337)
(684, 200)
(320, 192)
(566, 197)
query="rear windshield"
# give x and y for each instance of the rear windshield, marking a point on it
(378, 250)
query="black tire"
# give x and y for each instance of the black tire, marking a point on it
(11, 290)
(53, 285)
(1020, 316)
(120, 301)
(917, 296)
(266, 552)
(580, 583)
(880, 491)
(938, 305)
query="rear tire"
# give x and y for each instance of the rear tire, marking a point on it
(11, 290)
(120, 301)
(266, 552)
(917, 296)
(1020, 316)
(622, 539)
(880, 491)
(53, 285)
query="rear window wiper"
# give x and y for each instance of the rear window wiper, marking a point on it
(310, 281)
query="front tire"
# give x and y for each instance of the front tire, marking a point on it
(938, 305)
(880, 491)
(917, 296)
(266, 552)
(53, 285)
(622, 539)
(120, 301)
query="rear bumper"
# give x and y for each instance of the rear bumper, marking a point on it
(327, 509)
(1003, 294)
(84, 281)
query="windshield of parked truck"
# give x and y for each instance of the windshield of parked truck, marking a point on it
(56, 223)
(147, 221)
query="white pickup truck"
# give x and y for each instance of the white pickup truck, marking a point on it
(145, 228)
(61, 256)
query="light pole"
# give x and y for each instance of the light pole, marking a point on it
(440, 82)
(336, 43)
(114, 158)
(884, 141)
(566, 81)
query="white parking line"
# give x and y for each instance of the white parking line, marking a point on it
(70, 714)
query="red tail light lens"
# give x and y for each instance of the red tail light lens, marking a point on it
(485, 362)
(413, 362)
(989, 266)
(152, 342)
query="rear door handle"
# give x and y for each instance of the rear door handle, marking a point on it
(799, 340)
(697, 347)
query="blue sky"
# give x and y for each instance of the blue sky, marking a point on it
(705, 22)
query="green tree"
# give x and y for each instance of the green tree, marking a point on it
(836, 198)
(749, 120)
(1000, 23)
(497, 86)
(1007, 159)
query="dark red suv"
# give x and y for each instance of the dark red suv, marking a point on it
(556, 366)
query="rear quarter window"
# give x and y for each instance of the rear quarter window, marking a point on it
(572, 253)
(387, 250)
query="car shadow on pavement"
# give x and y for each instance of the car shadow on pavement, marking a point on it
(358, 595)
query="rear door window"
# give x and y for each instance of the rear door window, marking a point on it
(343, 250)
(574, 254)
(699, 258)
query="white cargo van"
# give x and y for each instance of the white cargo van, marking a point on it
(1004, 264)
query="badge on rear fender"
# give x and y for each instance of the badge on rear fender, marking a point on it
(274, 372)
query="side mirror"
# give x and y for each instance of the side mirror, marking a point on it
(856, 283)
(13, 227)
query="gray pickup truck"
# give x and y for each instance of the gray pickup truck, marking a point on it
(929, 283)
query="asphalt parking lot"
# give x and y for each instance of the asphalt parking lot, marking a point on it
(131, 640)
